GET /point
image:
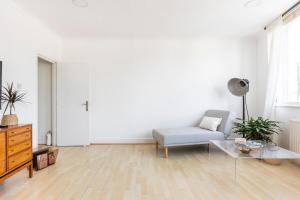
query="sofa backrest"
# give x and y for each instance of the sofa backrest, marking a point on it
(228, 119)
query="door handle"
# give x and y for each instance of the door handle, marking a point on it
(86, 104)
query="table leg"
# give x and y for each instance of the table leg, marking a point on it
(30, 170)
(209, 152)
(235, 171)
(166, 152)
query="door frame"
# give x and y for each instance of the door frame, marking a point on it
(54, 97)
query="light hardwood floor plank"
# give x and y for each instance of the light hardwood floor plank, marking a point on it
(132, 172)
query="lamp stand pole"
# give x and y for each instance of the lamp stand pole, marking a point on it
(244, 117)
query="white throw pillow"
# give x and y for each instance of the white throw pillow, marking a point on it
(210, 123)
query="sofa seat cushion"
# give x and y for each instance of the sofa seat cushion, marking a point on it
(185, 136)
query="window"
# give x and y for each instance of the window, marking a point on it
(289, 77)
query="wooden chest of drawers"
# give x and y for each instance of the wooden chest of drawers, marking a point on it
(15, 150)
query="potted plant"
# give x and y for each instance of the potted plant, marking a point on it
(11, 96)
(257, 129)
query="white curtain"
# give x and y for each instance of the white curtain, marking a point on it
(277, 64)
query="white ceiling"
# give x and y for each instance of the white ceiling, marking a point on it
(155, 18)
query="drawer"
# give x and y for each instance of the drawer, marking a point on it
(19, 130)
(2, 146)
(16, 160)
(13, 140)
(18, 147)
(2, 167)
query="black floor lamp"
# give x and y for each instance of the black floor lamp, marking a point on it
(240, 87)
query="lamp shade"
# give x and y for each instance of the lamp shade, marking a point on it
(238, 87)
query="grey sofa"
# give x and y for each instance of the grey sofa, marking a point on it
(194, 135)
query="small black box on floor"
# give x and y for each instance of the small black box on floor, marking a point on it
(44, 156)
(52, 155)
(41, 161)
(39, 156)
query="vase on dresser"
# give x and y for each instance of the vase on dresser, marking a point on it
(10, 97)
(9, 120)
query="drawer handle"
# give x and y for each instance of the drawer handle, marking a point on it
(12, 132)
(12, 140)
(12, 161)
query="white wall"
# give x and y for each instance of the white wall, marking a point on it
(138, 85)
(22, 38)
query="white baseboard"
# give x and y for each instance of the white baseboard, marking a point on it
(122, 141)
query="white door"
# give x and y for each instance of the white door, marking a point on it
(72, 101)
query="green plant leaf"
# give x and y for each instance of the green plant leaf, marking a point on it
(11, 96)
(257, 129)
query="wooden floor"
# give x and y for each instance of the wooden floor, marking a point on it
(136, 172)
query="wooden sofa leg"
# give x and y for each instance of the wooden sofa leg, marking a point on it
(156, 146)
(166, 152)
